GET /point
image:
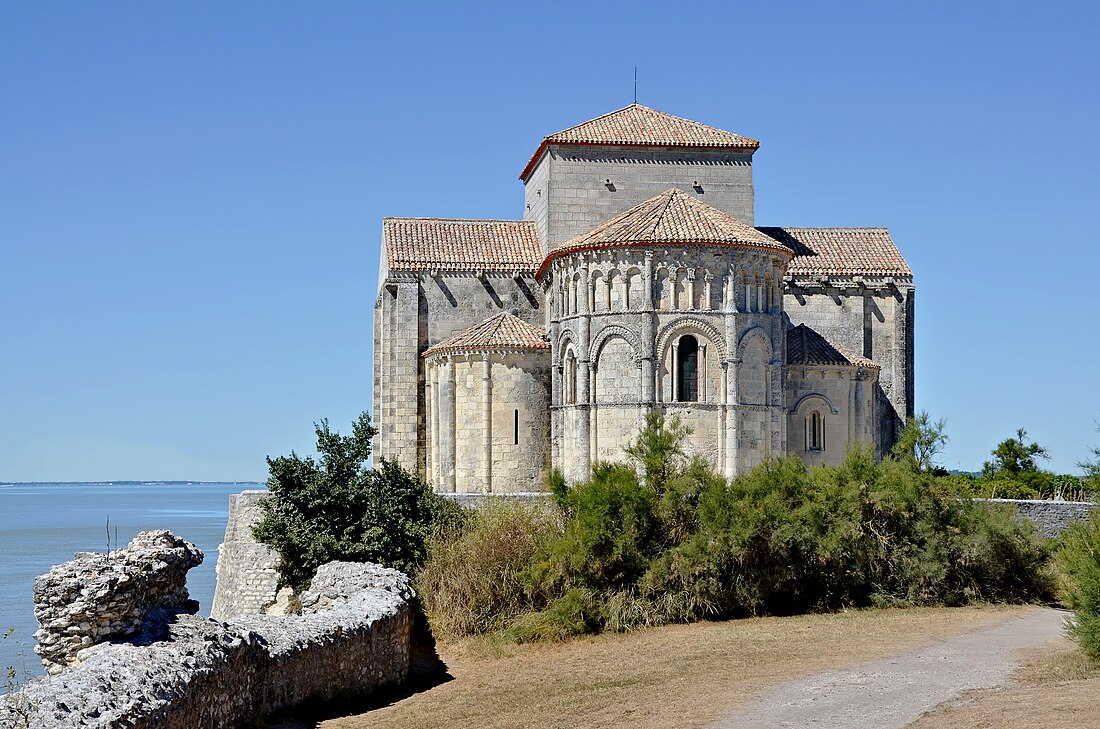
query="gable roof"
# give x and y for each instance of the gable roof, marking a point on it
(418, 244)
(504, 331)
(841, 251)
(640, 126)
(674, 218)
(808, 347)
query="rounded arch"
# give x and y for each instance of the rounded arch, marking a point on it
(634, 297)
(755, 335)
(616, 330)
(701, 328)
(597, 283)
(807, 402)
(615, 289)
(615, 373)
(662, 292)
(567, 339)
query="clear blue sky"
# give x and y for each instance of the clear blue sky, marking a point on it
(191, 195)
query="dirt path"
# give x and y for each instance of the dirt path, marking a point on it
(893, 692)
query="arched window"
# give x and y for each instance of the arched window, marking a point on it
(815, 432)
(687, 369)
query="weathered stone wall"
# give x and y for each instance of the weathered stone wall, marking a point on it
(489, 428)
(396, 408)
(1051, 518)
(844, 399)
(99, 597)
(415, 311)
(572, 181)
(873, 317)
(617, 319)
(187, 672)
(248, 572)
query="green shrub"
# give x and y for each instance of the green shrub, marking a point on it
(784, 539)
(472, 580)
(338, 508)
(576, 612)
(610, 537)
(671, 541)
(1078, 563)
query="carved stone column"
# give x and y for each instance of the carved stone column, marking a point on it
(447, 426)
(434, 416)
(649, 336)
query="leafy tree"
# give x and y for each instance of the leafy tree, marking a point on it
(1091, 466)
(1015, 456)
(921, 442)
(659, 449)
(336, 507)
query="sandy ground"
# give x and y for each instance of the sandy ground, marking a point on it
(1056, 689)
(893, 692)
(677, 676)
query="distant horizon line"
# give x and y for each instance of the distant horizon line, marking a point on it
(121, 482)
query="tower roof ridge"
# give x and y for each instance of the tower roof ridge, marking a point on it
(503, 331)
(637, 125)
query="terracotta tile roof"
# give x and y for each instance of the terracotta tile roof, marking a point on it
(501, 332)
(841, 251)
(807, 347)
(640, 126)
(418, 244)
(673, 217)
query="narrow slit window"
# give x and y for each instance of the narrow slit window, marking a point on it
(687, 355)
(515, 428)
(815, 432)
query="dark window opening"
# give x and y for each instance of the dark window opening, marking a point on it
(515, 431)
(816, 435)
(687, 364)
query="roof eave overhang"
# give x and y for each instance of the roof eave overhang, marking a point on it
(567, 250)
(524, 269)
(533, 162)
(433, 351)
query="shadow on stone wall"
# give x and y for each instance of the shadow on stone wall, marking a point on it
(181, 671)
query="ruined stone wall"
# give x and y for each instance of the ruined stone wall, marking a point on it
(248, 572)
(187, 672)
(98, 597)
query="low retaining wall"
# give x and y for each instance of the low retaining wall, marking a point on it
(478, 500)
(186, 672)
(1051, 518)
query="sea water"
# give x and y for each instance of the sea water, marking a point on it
(43, 524)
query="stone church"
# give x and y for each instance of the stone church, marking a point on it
(635, 280)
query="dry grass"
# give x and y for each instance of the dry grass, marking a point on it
(676, 676)
(1056, 689)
